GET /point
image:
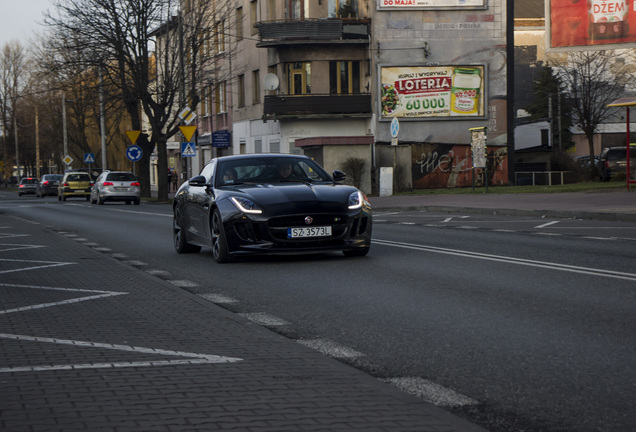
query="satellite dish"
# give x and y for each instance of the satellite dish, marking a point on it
(270, 81)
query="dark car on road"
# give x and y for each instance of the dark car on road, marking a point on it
(27, 186)
(613, 160)
(48, 185)
(269, 204)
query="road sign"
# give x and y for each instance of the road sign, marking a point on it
(188, 131)
(89, 158)
(133, 135)
(188, 149)
(67, 160)
(187, 115)
(395, 127)
(134, 153)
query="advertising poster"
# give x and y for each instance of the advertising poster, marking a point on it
(432, 91)
(590, 23)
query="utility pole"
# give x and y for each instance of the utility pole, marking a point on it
(510, 87)
(102, 121)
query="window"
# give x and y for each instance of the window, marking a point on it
(256, 87)
(296, 9)
(271, 10)
(344, 77)
(274, 147)
(241, 90)
(254, 15)
(220, 98)
(298, 78)
(219, 37)
(258, 145)
(239, 24)
(343, 9)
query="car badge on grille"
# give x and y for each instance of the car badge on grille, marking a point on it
(309, 220)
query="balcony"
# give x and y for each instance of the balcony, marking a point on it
(313, 31)
(320, 105)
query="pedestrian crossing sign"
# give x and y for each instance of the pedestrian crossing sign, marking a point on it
(188, 149)
(89, 158)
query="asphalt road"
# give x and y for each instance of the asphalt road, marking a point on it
(525, 323)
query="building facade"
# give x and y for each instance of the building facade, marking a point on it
(303, 75)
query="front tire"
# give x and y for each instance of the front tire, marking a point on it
(178, 236)
(219, 241)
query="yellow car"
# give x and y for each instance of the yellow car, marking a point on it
(75, 184)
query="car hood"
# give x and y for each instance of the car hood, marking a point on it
(296, 197)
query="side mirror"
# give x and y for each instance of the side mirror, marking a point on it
(339, 175)
(198, 181)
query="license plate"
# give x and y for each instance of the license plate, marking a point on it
(121, 188)
(322, 231)
(79, 191)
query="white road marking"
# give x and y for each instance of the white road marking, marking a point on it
(100, 294)
(44, 264)
(511, 260)
(547, 224)
(431, 392)
(19, 247)
(218, 298)
(191, 358)
(264, 319)
(184, 283)
(330, 348)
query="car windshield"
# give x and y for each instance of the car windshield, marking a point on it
(268, 170)
(53, 177)
(78, 178)
(29, 181)
(121, 177)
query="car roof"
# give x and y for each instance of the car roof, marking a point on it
(259, 155)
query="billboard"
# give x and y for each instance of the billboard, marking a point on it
(432, 92)
(590, 24)
(430, 4)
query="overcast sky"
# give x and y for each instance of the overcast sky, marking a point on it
(19, 20)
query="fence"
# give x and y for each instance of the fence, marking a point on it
(542, 178)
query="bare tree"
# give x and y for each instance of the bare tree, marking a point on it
(120, 36)
(594, 79)
(12, 59)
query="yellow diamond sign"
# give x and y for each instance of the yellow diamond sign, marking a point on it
(67, 160)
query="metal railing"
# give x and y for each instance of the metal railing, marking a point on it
(542, 178)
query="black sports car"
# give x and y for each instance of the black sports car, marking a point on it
(268, 204)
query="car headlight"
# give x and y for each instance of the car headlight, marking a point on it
(245, 205)
(356, 200)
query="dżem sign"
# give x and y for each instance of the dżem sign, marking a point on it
(590, 24)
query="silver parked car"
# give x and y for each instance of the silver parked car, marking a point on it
(116, 186)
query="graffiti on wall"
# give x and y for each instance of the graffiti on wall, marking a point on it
(450, 165)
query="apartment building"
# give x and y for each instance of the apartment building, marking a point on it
(327, 77)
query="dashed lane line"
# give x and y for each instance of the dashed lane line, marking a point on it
(431, 392)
